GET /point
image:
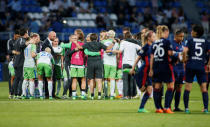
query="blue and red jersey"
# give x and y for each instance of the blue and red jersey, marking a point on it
(145, 54)
(197, 53)
(160, 50)
(141, 76)
(178, 47)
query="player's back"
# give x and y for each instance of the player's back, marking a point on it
(145, 54)
(160, 50)
(45, 57)
(197, 53)
(29, 60)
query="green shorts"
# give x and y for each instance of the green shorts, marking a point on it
(119, 74)
(110, 71)
(44, 69)
(58, 72)
(29, 72)
(11, 70)
(77, 72)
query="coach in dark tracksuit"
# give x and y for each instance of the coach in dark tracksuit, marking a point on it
(48, 43)
(10, 53)
(20, 45)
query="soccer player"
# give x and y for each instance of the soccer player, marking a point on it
(119, 74)
(143, 80)
(45, 64)
(196, 49)
(178, 67)
(58, 58)
(29, 67)
(77, 68)
(110, 64)
(161, 69)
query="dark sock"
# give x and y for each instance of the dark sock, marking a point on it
(186, 98)
(92, 94)
(156, 98)
(177, 98)
(99, 93)
(205, 100)
(144, 100)
(160, 94)
(168, 97)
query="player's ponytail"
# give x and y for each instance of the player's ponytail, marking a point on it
(160, 30)
(146, 37)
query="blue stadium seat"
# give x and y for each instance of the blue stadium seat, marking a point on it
(102, 10)
(126, 23)
(140, 10)
(176, 4)
(200, 4)
(135, 30)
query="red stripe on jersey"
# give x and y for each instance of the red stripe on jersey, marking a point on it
(145, 71)
(172, 70)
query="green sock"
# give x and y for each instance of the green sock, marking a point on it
(126, 70)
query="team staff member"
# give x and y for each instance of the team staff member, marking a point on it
(11, 52)
(20, 45)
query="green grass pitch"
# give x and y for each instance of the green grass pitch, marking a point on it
(97, 113)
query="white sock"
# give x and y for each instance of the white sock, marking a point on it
(83, 93)
(138, 91)
(151, 95)
(58, 87)
(50, 88)
(106, 88)
(74, 94)
(32, 88)
(24, 87)
(40, 85)
(112, 87)
(120, 87)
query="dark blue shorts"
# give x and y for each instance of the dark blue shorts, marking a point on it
(142, 77)
(165, 75)
(179, 76)
(200, 75)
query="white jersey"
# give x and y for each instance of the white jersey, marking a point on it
(10, 64)
(45, 57)
(110, 58)
(29, 60)
(129, 51)
(58, 51)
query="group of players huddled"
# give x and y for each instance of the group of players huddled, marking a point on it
(146, 60)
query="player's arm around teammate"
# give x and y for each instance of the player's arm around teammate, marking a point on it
(30, 66)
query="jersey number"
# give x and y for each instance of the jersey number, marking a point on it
(199, 49)
(159, 51)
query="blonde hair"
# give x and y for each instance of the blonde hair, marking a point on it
(47, 50)
(160, 30)
(33, 35)
(143, 34)
(111, 34)
(146, 37)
